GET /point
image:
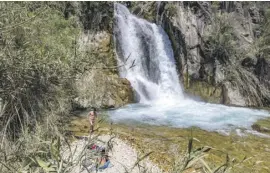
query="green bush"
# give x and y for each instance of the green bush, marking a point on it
(221, 42)
(38, 61)
(264, 40)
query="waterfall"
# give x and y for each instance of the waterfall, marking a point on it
(146, 59)
(146, 46)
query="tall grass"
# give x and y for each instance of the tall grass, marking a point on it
(39, 62)
(46, 149)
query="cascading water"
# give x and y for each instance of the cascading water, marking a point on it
(145, 44)
(146, 59)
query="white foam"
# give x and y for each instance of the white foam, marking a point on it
(212, 117)
(154, 76)
(158, 90)
(257, 133)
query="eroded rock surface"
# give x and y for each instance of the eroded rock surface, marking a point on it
(97, 89)
(214, 46)
(100, 86)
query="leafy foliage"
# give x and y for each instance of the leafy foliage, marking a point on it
(264, 40)
(40, 58)
(38, 61)
(196, 156)
(221, 42)
(97, 15)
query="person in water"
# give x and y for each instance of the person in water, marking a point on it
(92, 118)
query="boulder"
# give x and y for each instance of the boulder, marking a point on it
(100, 86)
(97, 89)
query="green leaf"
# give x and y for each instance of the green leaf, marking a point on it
(190, 142)
(206, 165)
(45, 165)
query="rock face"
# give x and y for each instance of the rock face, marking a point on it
(215, 48)
(98, 89)
(100, 86)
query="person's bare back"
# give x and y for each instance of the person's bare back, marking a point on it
(92, 118)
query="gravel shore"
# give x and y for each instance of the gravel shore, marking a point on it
(122, 157)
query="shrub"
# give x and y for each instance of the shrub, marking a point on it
(263, 44)
(38, 62)
(221, 41)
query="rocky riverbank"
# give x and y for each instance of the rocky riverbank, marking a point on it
(123, 157)
(168, 144)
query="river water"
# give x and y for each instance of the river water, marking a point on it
(147, 61)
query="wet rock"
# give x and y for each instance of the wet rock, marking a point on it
(256, 127)
(261, 129)
(234, 96)
(245, 81)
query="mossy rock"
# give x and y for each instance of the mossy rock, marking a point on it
(262, 126)
(203, 89)
(98, 89)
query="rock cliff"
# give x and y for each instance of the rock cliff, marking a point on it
(98, 86)
(216, 48)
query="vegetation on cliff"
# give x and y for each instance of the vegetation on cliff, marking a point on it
(220, 47)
